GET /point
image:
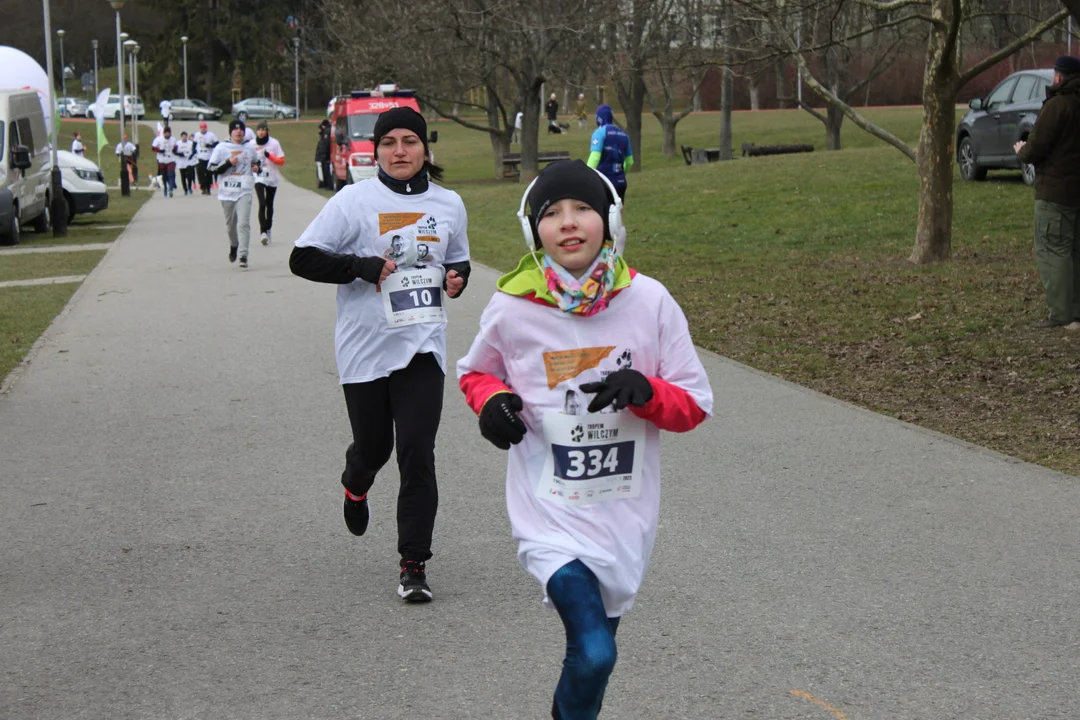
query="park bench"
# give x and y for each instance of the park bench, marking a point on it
(700, 156)
(512, 161)
(749, 148)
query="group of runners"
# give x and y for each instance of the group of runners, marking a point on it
(582, 486)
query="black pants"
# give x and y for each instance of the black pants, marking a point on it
(622, 193)
(327, 176)
(410, 401)
(187, 178)
(204, 177)
(266, 195)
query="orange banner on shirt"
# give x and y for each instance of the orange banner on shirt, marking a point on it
(568, 364)
(396, 221)
(428, 238)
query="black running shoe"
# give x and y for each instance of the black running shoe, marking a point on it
(357, 514)
(412, 586)
(243, 261)
(232, 253)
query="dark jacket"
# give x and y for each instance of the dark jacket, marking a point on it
(1053, 146)
(552, 107)
(322, 149)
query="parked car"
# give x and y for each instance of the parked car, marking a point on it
(112, 108)
(72, 106)
(262, 108)
(194, 110)
(25, 165)
(987, 133)
(83, 183)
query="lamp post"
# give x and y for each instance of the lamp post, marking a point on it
(129, 46)
(125, 185)
(94, 44)
(184, 39)
(296, 73)
(63, 75)
(58, 207)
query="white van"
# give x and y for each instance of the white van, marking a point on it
(25, 165)
(84, 184)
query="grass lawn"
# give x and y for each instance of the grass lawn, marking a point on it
(25, 312)
(43, 265)
(796, 265)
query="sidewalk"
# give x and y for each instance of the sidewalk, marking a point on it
(171, 542)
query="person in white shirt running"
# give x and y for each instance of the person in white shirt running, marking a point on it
(204, 145)
(582, 488)
(235, 165)
(77, 146)
(391, 325)
(271, 157)
(125, 150)
(164, 146)
(166, 110)
(185, 163)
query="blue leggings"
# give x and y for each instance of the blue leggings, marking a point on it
(590, 642)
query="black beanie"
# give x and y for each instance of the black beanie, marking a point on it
(569, 179)
(237, 123)
(1068, 65)
(401, 117)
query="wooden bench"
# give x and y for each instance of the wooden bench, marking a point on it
(700, 156)
(511, 161)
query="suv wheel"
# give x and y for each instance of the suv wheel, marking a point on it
(1029, 173)
(241, 116)
(201, 116)
(43, 222)
(969, 169)
(279, 115)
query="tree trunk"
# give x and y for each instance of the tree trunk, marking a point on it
(530, 131)
(934, 156)
(667, 126)
(834, 120)
(500, 141)
(726, 96)
(781, 93)
(755, 93)
(632, 99)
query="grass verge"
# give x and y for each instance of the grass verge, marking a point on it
(44, 265)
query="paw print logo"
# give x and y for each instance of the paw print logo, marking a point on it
(577, 433)
(624, 361)
(405, 281)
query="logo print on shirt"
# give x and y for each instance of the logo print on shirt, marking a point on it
(568, 364)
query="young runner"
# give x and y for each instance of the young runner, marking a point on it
(125, 150)
(77, 146)
(164, 146)
(271, 157)
(185, 163)
(235, 164)
(204, 145)
(582, 489)
(391, 325)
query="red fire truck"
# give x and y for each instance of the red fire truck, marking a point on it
(353, 120)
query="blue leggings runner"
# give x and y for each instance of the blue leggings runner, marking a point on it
(590, 642)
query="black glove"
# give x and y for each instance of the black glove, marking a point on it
(620, 388)
(368, 268)
(499, 421)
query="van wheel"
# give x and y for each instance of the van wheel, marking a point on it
(43, 222)
(70, 206)
(10, 236)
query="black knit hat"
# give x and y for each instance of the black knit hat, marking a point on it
(569, 179)
(236, 123)
(1068, 65)
(401, 117)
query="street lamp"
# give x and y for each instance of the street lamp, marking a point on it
(58, 210)
(184, 39)
(130, 46)
(63, 75)
(125, 185)
(296, 73)
(94, 44)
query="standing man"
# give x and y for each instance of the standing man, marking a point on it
(166, 111)
(1053, 147)
(517, 127)
(235, 164)
(164, 146)
(552, 108)
(579, 110)
(204, 145)
(125, 150)
(322, 155)
(271, 157)
(610, 151)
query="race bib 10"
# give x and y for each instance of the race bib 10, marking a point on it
(413, 296)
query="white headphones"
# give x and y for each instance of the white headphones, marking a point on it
(614, 219)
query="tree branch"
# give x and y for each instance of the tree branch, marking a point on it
(1009, 49)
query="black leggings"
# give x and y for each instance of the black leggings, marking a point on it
(410, 401)
(204, 177)
(187, 178)
(266, 195)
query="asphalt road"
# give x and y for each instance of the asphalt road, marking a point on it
(171, 542)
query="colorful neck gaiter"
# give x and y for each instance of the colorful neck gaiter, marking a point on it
(588, 297)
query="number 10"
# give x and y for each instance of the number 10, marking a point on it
(423, 299)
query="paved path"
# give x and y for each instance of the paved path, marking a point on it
(171, 543)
